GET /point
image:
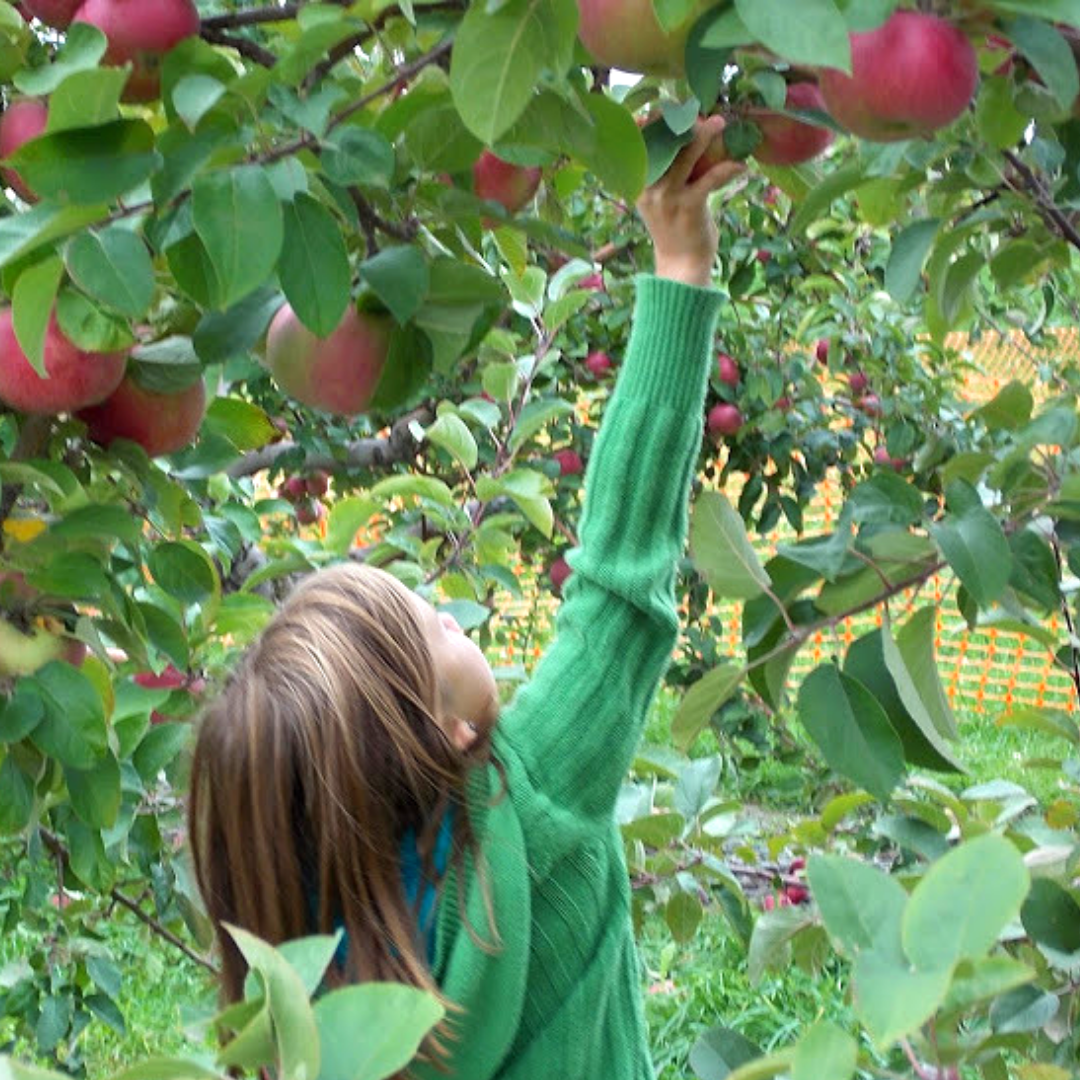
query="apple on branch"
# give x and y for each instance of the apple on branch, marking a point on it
(140, 33)
(339, 373)
(913, 75)
(76, 379)
(24, 119)
(161, 423)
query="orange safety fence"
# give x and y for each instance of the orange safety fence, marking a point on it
(990, 671)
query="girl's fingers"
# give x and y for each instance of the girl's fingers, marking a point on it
(717, 177)
(689, 155)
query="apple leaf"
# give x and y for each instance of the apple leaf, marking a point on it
(722, 550)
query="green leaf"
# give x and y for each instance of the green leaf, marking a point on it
(95, 792)
(997, 118)
(771, 940)
(393, 1019)
(892, 999)
(702, 700)
(536, 415)
(979, 980)
(22, 234)
(452, 434)
(356, 155)
(245, 425)
(1009, 410)
(1049, 54)
(159, 748)
(861, 906)
(851, 729)
(400, 278)
(113, 266)
(619, 159)
(424, 487)
(825, 1050)
(722, 549)
(1051, 916)
(20, 713)
(822, 196)
(184, 570)
(220, 335)
(168, 1069)
(958, 910)
(16, 797)
(73, 730)
(1027, 1008)
(720, 1051)
(909, 251)
(914, 668)
(683, 915)
(238, 218)
(804, 31)
(347, 517)
(296, 1035)
(973, 543)
(32, 307)
(84, 45)
(499, 57)
(314, 267)
(89, 165)
(85, 324)
(86, 99)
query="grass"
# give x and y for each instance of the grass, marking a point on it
(688, 988)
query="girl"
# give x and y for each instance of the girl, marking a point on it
(356, 772)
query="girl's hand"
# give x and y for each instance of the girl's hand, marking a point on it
(676, 212)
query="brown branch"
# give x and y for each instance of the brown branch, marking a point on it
(57, 848)
(1048, 210)
(254, 17)
(33, 435)
(397, 448)
(371, 218)
(247, 48)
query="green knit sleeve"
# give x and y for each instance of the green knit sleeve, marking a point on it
(576, 724)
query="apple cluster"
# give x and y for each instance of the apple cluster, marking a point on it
(911, 76)
(306, 494)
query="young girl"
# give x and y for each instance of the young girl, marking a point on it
(356, 772)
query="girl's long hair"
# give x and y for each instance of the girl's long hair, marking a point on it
(322, 750)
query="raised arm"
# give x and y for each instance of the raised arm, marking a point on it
(576, 725)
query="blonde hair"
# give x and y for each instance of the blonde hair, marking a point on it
(322, 751)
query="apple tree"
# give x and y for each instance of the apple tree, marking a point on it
(293, 283)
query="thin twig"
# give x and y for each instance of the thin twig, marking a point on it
(253, 17)
(1050, 212)
(57, 848)
(252, 50)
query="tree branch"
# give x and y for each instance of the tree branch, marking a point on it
(60, 852)
(247, 48)
(253, 17)
(374, 453)
(371, 219)
(1050, 212)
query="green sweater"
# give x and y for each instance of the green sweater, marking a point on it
(561, 998)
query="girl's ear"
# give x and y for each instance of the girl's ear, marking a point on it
(462, 734)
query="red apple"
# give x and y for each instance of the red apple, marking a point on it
(797, 894)
(599, 363)
(883, 457)
(770, 195)
(318, 483)
(512, 186)
(570, 463)
(715, 154)
(160, 423)
(56, 13)
(140, 33)
(24, 119)
(764, 257)
(858, 382)
(724, 419)
(169, 679)
(76, 378)
(728, 370)
(783, 403)
(294, 489)
(797, 864)
(558, 573)
(337, 374)
(911, 76)
(869, 404)
(592, 282)
(821, 351)
(625, 34)
(787, 141)
(310, 511)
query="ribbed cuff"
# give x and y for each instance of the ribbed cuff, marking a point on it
(672, 335)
